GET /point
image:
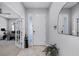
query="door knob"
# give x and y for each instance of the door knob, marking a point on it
(33, 31)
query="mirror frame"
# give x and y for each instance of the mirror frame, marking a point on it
(58, 20)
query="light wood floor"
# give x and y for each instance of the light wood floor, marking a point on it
(33, 51)
(8, 48)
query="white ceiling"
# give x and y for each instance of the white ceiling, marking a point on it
(37, 4)
(70, 4)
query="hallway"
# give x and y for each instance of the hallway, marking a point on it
(39, 24)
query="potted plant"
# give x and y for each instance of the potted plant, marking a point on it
(51, 50)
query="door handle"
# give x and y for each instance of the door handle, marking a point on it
(33, 31)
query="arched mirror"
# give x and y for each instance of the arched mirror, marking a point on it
(68, 19)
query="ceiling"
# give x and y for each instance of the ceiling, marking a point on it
(70, 4)
(36, 4)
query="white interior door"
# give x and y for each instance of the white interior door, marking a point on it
(39, 29)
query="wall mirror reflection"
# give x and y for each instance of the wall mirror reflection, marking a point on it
(68, 19)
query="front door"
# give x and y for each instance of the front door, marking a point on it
(39, 29)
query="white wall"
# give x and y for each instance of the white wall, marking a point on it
(37, 11)
(68, 45)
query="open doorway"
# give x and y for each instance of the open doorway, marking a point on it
(7, 36)
(11, 32)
